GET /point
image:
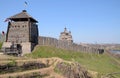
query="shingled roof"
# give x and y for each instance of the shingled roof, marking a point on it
(22, 15)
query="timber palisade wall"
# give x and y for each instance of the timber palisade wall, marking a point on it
(48, 41)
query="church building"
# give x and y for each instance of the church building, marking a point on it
(66, 36)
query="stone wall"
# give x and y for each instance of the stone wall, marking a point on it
(48, 41)
(27, 47)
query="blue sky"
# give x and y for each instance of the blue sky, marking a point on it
(90, 21)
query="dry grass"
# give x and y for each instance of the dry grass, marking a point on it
(103, 63)
(100, 64)
(49, 71)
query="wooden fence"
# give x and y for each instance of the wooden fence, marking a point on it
(48, 41)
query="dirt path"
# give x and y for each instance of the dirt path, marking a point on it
(41, 71)
(49, 70)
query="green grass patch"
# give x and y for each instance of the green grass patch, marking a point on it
(103, 63)
(1, 44)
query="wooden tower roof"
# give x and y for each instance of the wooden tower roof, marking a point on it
(23, 16)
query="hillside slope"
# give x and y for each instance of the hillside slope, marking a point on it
(40, 68)
(104, 64)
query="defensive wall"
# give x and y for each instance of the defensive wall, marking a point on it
(48, 41)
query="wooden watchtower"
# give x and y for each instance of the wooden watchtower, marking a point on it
(23, 31)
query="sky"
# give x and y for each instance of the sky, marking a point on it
(90, 21)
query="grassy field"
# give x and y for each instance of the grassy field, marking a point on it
(0, 45)
(103, 64)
